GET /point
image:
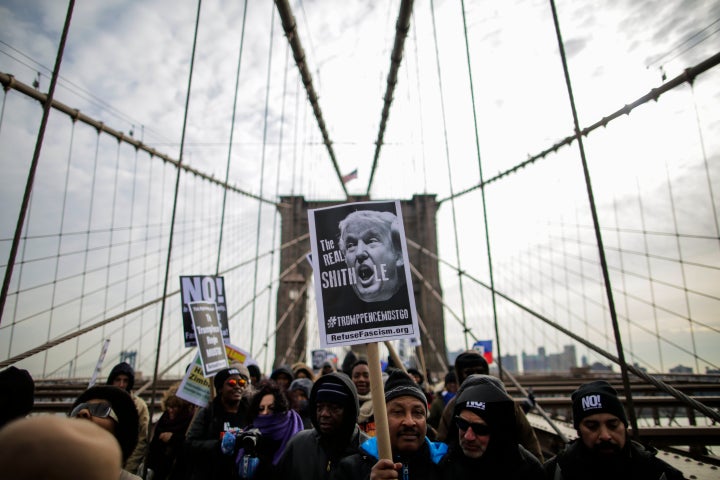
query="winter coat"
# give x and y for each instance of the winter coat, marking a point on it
(202, 441)
(635, 462)
(422, 465)
(311, 456)
(517, 465)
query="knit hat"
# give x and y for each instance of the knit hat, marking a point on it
(17, 390)
(469, 359)
(126, 431)
(332, 393)
(399, 384)
(223, 375)
(485, 400)
(304, 384)
(282, 370)
(596, 397)
(122, 368)
(254, 371)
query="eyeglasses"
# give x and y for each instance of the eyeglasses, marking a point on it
(96, 409)
(479, 429)
(239, 382)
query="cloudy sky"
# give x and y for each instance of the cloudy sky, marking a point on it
(127, 64)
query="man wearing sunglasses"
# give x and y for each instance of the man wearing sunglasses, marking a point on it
(483, 440)
(228, 411)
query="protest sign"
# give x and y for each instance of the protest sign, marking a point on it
(203, 288)
(362, 274)
(208, 337)
(195, 387)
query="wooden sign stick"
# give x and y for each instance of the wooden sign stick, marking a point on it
(382, 431)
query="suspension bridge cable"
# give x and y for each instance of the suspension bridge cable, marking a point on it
(277, 191)
(82, 330)
(35, 160)
(290, 28)
(9, 81)
(262, 178)
(636, 371)
(482, 190)
(232, 133)
(688, 76)
(63, 206)
(681, 44)
(683, 275)
(283, 317)
(596, 223)
(174, 206)
(402, 27)
(449, 171)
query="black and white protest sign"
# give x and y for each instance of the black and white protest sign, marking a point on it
(209, 339)
(203, 288)
(362, 273)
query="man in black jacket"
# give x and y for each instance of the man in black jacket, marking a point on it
(484, 439)
(603, 449)
(313, 454)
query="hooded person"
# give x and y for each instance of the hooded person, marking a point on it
(122, 376)
(315, 453)
(485, 439)
(524, 432)
(467, 363)
(299, 393)
(603, 449)
(283, 376)
(415, 457)
(302, 370)
(112, 409)
(17, 394)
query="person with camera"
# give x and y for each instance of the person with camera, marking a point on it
(272, 424)
(313, 454)
(227, 412)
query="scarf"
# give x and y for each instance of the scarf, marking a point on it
(366, 408)
(278, 427)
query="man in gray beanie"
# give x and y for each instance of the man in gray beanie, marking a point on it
(603, 449)
(414, 455)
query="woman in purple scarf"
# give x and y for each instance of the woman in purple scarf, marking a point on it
(272, 424)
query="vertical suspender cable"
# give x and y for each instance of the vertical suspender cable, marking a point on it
(174, 210)
(596, 224)
(60, 235)
(262, 181)
(482, 194)
(277, 190)
(447, 159)
(232, 132)
(35, 160)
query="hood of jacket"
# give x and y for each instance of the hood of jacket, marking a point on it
(352, 405)
(123, 368)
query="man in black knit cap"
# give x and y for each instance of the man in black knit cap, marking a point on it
(415, 457)
(603, 449)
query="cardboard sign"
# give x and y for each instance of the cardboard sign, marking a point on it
(195, 387)
(203, 288)
(208, 336)
(362, 274)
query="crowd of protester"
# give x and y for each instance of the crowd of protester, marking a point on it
(296, 423)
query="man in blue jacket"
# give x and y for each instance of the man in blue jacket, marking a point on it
(414, 456)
